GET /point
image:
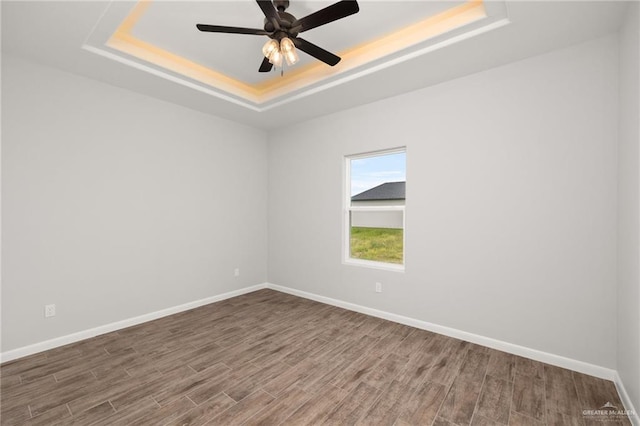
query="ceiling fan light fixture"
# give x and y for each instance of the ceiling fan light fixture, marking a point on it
(281, 27)
(291, 57)
(286, 45)
(270, 47)
(288, 50)
(276, 58)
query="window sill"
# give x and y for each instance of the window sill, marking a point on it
(374, 265)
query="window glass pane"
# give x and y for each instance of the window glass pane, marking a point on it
(370, 172)
(377, 236)
(376, 207)
(390, 219)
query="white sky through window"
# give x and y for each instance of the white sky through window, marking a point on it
(370, 172)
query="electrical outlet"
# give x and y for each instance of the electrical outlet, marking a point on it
(236, 272)
(378, 287)
(49, 311)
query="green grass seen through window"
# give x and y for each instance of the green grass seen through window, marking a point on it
(377, 244)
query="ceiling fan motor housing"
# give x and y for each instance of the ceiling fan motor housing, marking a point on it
(286, 22)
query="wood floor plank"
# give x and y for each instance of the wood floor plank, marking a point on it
(555, 418)
(420, 364)
(290, 377)
(594, 393)
(268, 358)
(142, 390)
(176, 389)
(354, 350)
(48, 368)
(386, 371)
(21, 395)
(165, 414)
(353, 406)
(388, 406)
(99, 360)
(494, 403)
(7, 382)
(282, 407)
(92, 415)
(518, 419)
(529, 367)
(16, 367)
(244, 410)
(478, 420)
(320, 378)
(412, 344)
(217, 385)
(474, 367)
(112, 390)
(448, 364)
(316, 408)
(247, 386)
(56, 415)
(204, 412)
(387, 343)
(298, 355)
(205, 357)
(529, 397)
(560, 390)
(352, 376)
(439, 421)
(501, 365)
(62, 394)
(423, 406)
(128, 414)
(15, 416)
(591, 392)
(459, 404)
(333, 348)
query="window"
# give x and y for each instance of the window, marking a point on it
(374, 209)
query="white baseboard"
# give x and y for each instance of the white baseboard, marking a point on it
(557, 360)
(119, 325)
(626, 400)
(537, 355)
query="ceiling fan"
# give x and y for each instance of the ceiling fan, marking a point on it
(282, 28)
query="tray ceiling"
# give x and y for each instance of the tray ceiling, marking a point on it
(161, 38)
(73, 35)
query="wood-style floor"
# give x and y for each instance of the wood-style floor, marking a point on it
(270, 358)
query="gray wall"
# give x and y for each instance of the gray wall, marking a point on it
(628, 203)
(511, 203)
(117, 205)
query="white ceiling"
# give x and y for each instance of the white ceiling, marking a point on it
(53, 33)
(161, 38)
(172, 26)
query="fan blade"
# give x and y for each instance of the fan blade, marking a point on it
(315, 51)
(328, 14)
(270, 12)
(230, 30)
(265, 66)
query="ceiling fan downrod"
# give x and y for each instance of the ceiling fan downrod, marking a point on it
(281, 5)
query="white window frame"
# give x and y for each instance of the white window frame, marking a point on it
(347, 209)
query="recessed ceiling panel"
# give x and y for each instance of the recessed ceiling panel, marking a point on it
(171, 26)
(161, 37)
